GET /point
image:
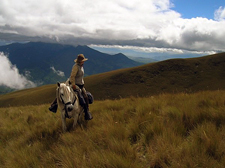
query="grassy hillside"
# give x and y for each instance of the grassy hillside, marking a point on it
(170, 76)
(33, 96)
(168, 130)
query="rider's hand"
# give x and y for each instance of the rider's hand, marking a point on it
(74, 87)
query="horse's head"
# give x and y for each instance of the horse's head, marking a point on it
(65, 96)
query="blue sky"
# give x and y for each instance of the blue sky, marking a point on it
(197, 8)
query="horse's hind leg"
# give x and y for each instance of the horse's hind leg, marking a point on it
(82, 122)
(75, 121)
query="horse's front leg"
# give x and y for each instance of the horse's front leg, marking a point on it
(63, 121)
(81, 121)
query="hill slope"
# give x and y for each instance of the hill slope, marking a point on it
(170, 76)
(169, 130)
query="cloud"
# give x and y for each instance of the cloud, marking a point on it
(58, 72)
(10, 77)
(146, 23)
(220, 14)
(151, 52)
(151, 49)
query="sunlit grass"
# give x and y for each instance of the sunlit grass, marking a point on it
(168, 130)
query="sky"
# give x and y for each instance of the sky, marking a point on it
(192, 25)
(142, 26)
(197, 8)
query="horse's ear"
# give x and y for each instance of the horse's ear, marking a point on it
(58, 84)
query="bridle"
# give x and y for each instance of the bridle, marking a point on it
(65, 104)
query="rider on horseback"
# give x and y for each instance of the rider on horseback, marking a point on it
(77, 82)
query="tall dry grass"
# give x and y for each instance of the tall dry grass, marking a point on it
(169, 130)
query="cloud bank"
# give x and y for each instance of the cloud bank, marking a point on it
(220, 14)
(134, 23)
(10, 77)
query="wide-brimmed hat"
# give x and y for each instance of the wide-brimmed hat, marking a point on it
(80, 58)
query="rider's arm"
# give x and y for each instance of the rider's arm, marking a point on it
(73, 75)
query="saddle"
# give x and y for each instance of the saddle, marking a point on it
(82, 100)
(90, 97)
(81, 97)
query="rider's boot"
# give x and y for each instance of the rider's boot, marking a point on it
(87, 113)
(54, 106)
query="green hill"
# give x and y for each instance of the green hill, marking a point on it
(170, 76)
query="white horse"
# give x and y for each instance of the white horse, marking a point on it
(68, 103)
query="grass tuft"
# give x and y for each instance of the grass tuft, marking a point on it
(168, 130)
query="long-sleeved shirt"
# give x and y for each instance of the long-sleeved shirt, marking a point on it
(77, 75)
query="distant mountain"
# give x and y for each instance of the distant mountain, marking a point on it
(143, 59)
(43, 60)
(170, 76)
